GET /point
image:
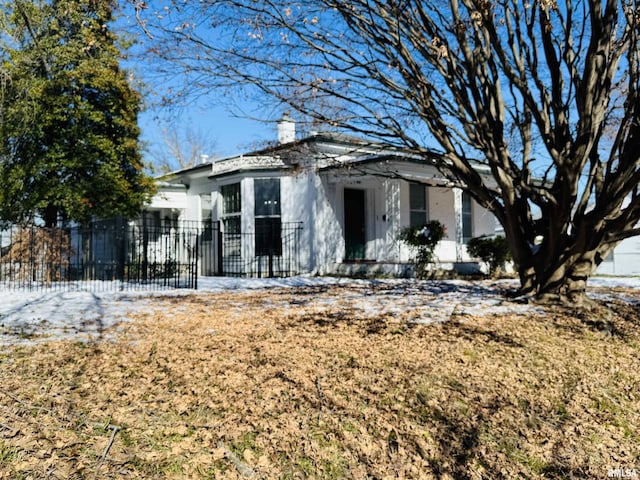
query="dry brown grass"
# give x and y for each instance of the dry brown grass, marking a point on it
(262, 385)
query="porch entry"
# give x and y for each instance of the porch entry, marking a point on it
(354, 224)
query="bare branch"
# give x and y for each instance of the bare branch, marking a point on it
(544, 94)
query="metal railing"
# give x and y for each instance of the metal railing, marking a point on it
(99, 255)
(272, 250)
(142, 254)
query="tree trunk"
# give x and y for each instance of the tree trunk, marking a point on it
(566, 284)
(562, 280)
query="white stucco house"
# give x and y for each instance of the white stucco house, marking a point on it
(327, 204)
(323, 204)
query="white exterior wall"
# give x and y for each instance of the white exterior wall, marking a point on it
(625, 259)
(187, 202)
(441, 201)
(391, 216)
(248, 205)
(170, 199)
(329, 225)
(216, 203)
(297, 205)
(325, 227)
(199, 194)
(317, 200)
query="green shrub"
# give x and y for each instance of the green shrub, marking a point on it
(423, 240)
(494, 251)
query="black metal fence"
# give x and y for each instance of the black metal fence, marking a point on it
(145, 254)
(271, 250)
(100, 255)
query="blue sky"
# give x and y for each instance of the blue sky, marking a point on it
(230, 133)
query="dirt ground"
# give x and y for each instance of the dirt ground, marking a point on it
(296, 383)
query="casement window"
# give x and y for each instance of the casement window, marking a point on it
(231, 218)
(231, 204)
(268, 224)
(418, 205)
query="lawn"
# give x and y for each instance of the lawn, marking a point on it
(308, 383)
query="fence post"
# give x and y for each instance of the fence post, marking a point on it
(145, 247)
(197, 257)
(272, 246)
(32, 259)
(121, 233)
(219, 248)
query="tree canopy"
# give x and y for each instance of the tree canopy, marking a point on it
(68, 115)
(543, 92)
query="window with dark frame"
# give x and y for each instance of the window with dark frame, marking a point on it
(231, 203)
(418, 205)
(231, 218)
(268, 223)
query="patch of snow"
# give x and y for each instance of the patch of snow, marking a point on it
(611, 282)
(216, 284)
(27, 317)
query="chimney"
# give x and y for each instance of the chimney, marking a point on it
(286, 129)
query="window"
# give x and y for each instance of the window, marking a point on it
(267, 195)
(207, 227)
(231, 199)
(231, 219)
(418, 205)
(151, 225)
(268, 236)
(152, 219)
(170, 222)
(467, 217)
(267, 217)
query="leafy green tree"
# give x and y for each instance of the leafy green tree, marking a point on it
(541, 94)
(68, 115)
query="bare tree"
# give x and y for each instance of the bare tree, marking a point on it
(182, 147)
(543, 92)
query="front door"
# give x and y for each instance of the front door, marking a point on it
(354, 224)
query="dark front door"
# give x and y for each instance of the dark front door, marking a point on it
(354, 224)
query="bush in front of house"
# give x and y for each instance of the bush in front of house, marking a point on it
(494, 251)
(423, 240)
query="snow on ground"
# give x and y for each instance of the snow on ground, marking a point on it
(612, 282)
(27, 317)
